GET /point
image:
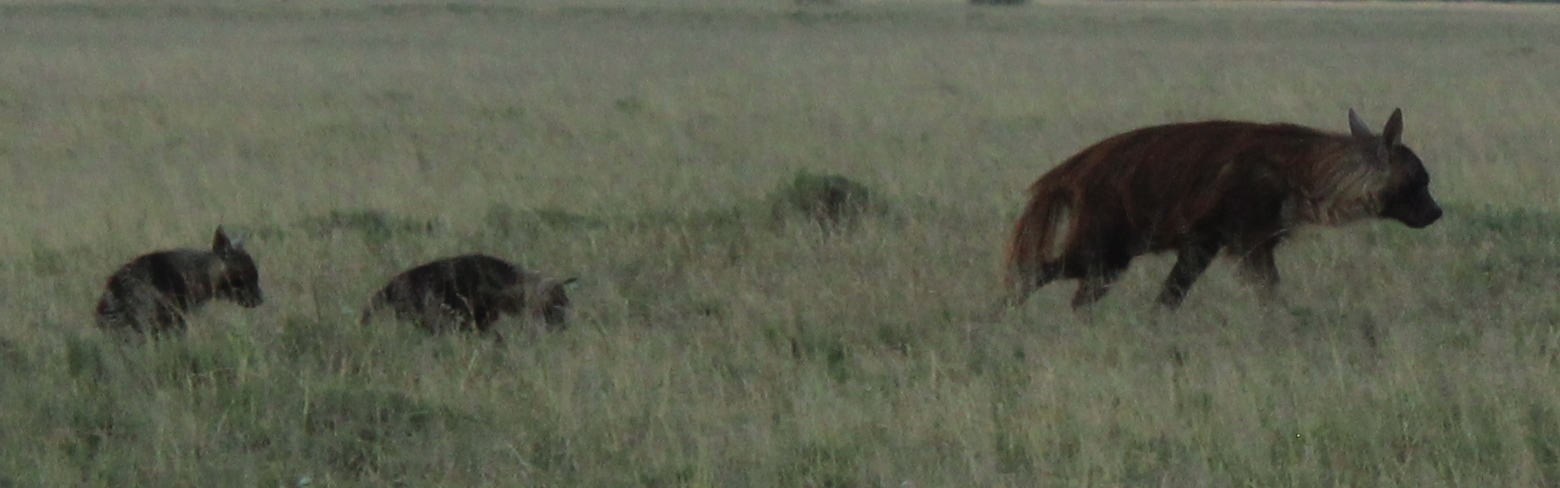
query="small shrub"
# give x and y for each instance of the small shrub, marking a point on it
(822, 198)
(374, 225)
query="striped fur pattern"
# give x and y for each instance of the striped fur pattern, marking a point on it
(469, 293)
(1202, 188)
(153, 292)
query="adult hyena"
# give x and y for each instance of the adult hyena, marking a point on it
(1199, 188)
(470, 292)
(153, 292)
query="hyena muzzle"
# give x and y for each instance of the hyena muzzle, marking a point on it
(469, 293)
(153, 292)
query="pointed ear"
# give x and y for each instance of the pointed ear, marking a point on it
(220, 242)
(1392, 135)
(1358, 127)
(570, 281)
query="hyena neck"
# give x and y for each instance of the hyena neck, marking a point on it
(199, 271)
(1345, 186)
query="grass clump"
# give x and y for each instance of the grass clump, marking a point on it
(373, 225)
(507, 221)
(823, 198)
(357, 429)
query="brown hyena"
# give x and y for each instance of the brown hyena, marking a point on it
(153, 292)
(469, 292)
(1200, 188)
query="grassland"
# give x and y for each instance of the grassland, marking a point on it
(635, 146)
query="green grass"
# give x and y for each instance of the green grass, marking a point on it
(721, 337)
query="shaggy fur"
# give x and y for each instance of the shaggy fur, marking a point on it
(1200, 188)
(153, 292)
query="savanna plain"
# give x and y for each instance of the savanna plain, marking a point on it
(721, 336)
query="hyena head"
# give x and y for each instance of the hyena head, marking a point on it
(1405, 195)
(541, 297)
(234, 275)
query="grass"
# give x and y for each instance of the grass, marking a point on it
(650, 150)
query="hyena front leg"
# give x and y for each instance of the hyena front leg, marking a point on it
(1192, 259)
(498, 338)
(1259, 270)
(170, 321)
(156, 315)
(434, 314)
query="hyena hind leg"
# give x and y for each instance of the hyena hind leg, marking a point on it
(1094, 285)
(1192, 259)
(1020, 285)
(1025, 282)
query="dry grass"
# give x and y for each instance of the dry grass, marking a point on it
(713, 346)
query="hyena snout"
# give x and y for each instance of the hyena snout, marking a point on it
(555, 315)
(245, 292)
(1416, 209)
(251, 299)
(553, 304)
(248, 298)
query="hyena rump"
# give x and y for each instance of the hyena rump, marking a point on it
(153, 292)
(470, 292)
(1200, 188)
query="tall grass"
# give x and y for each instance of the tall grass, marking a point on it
(722, 334)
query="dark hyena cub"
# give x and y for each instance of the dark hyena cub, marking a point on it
(152, 292)
(469, 292)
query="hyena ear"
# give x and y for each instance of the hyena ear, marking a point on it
(220, 243)
(1392, 135)
(1358, 127)
(568, 282)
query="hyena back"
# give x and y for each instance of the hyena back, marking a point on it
(1201, 188)
(153, 292)
(468, 293)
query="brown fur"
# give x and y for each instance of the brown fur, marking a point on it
(469, 292)
(153, 292)
(1200, 188)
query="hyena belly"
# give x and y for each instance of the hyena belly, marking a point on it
(436, 305)
(438, 310)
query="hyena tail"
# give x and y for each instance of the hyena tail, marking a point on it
(109, 314)
(1039, 242)
(375, 303)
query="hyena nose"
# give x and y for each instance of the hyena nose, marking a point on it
(1429, 216)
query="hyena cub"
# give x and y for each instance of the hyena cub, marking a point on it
(469, 292)
(154, 291)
